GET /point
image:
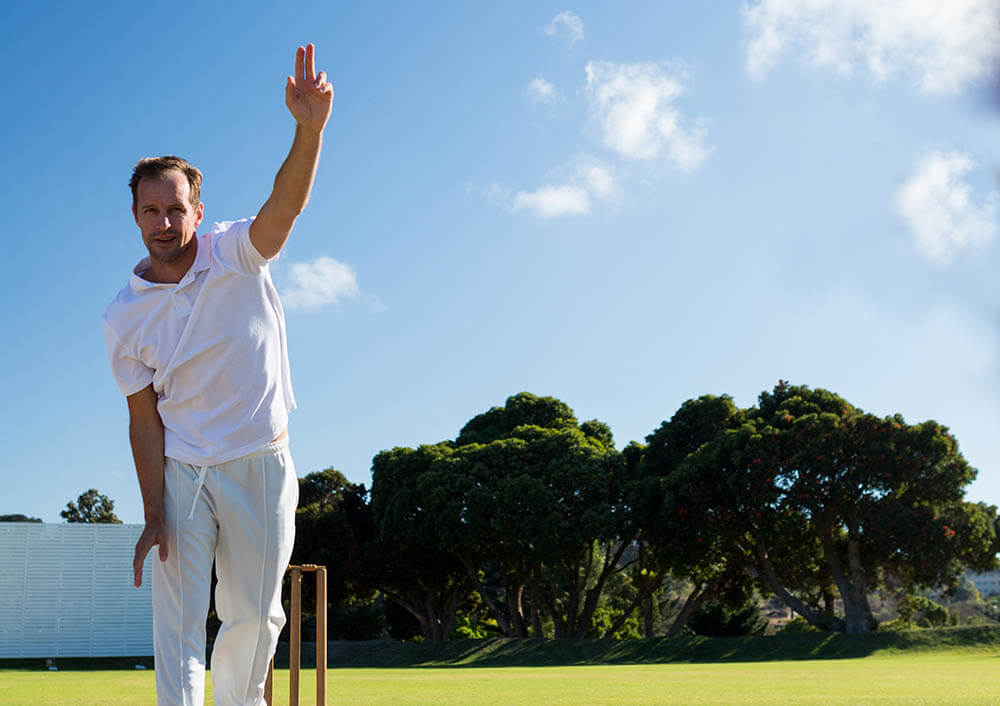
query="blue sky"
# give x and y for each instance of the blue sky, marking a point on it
(623, 208)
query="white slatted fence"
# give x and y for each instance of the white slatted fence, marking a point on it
(66, 591)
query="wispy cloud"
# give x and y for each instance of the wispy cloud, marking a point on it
(938, 207)
(551, 201)
(633, 103)
(940, 45)
(541, 91)
(598, 179)
(589, 181)
(318, 283)
(568, 21)
(496, 194)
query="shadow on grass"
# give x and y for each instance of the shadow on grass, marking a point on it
(534, 652)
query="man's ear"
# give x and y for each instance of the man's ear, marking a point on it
(199, 214)
(135, 216)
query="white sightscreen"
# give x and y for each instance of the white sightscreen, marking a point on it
(66, 591)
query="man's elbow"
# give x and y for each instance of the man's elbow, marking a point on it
(284, 212)
(142, 430)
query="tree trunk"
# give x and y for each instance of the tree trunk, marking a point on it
(515, 605)
(536, 613)
(593, 596)
(647, 617)
(435, 611)
(693, 603)
(858, 616)
(862, 620)
(644, 598)
(765, 570)
(502, 623)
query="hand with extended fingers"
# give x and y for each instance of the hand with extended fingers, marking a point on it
(308, 96)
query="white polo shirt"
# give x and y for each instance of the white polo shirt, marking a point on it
(212, 345)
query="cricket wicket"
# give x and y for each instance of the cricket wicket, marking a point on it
(295, 638)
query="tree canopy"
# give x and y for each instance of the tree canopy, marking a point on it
(532, 523)
(823, 498)
(91, 506)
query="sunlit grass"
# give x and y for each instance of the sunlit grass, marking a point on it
(946, 678)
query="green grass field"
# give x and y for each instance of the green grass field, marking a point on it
(943, 666)
(928, 678)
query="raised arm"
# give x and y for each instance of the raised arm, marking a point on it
(310, 100)
(145, 432)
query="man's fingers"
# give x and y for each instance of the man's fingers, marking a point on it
(321, 79)
(141, 550)
(310, 63)
(300, 55)
(146, 542)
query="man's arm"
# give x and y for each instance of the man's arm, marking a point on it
(145, 432)
(310, 100)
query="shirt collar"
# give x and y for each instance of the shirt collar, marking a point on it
(202, 261)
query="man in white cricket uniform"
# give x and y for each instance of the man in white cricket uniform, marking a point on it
(197, 344)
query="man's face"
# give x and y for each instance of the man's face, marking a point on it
(164, 214)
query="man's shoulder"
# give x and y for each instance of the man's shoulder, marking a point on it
(128, 297)
(229, 229)
(231, 247)
(118, 307)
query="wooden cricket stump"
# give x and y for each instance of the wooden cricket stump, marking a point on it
(295, 638)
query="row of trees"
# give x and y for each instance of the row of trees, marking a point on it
(536, 524)
(90, 507)
(531, 523)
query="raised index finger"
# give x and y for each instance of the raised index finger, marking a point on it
(299, 58)
(310, 63)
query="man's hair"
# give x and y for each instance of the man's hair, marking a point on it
(156, 167)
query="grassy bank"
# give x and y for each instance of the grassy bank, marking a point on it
(505, 652)
(502, 652)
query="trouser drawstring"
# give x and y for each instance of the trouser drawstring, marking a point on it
(197, 491)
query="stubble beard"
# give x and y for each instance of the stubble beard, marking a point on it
(171, 256)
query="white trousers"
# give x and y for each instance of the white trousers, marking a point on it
(241, 515)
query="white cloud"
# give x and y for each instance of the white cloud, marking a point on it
(551, 201)
(496, 193)
(599, 180)
(590, 180)
(940, 45)
(572, 24)
(634, 105)
(318, 283)
(541, 90)
(937, 205)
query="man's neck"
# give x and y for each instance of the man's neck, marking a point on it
(171, 272)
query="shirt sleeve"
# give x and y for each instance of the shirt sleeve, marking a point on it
(130, 373)
(232, 246)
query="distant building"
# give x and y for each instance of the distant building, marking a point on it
(988, 583)
(66, 591)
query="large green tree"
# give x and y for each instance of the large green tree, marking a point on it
(91, 506)
(334, 527)
(683, 527)
(538, 502)
(412, 560)
(825, 498)
(524, 507)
